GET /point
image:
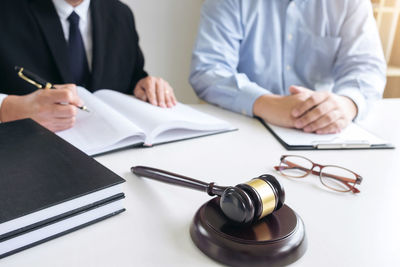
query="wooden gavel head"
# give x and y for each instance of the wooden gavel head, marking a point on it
(248, 202)
(242, 204)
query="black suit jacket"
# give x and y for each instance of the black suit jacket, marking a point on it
(32, 37)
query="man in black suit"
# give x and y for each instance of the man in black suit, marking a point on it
(92, 43)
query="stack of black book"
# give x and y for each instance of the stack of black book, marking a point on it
(48, 187)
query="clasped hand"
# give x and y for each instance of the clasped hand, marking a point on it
(320, 112)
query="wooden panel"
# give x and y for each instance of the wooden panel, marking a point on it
(390, 3)
(392, 87)
(386, 12)
(385, 32)
(395, 57)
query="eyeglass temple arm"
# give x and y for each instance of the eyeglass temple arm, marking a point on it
(344, 180)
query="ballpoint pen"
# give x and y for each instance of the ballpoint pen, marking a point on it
(39, 82)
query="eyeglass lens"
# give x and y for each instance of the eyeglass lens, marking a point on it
(337, 178)
(296, 167)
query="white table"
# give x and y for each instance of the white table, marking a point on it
(342, 229)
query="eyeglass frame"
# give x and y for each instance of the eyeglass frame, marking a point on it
(319, 173)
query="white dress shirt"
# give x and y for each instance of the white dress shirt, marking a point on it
(64, 10)
(2, 96)
(85, 25)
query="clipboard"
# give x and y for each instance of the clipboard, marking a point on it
(353, 137)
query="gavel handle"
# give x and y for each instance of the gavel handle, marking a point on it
(177, 179)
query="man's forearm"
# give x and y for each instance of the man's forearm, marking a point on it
(12, 108)
(274, 109)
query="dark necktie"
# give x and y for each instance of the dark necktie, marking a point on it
(76, 50)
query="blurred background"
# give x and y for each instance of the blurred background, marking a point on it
(386, 13)
(168, 30)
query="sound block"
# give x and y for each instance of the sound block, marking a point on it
(276, 240)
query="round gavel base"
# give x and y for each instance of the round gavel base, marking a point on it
(276, 240)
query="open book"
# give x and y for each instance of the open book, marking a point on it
(353, 137)
(117, 120)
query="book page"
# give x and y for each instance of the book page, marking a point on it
(156, 121)
(352, 135)
(101, 129)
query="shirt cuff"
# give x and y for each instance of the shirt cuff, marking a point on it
(246, 97)
(357, 97)
(2, 96)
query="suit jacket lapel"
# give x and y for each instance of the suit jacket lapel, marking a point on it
(50, 24)
(99, 41)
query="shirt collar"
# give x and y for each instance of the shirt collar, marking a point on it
(64, 9)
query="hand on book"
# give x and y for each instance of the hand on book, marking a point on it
(44, 106)
(322, 112)
(156, 91)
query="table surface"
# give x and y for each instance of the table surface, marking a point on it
(342, 229)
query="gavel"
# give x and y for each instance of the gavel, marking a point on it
(243, 204)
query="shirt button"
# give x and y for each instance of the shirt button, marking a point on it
(289, 37)
(288, 67)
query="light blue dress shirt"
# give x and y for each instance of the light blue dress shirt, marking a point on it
(248, 48)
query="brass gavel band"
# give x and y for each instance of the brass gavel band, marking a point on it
(267, 195)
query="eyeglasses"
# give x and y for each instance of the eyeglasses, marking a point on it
(334, 177)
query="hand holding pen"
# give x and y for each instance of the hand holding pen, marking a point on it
(43, 106)
(40, 83)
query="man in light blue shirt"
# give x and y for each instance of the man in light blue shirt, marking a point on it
(310, 64)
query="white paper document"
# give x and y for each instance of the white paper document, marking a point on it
(353, 136)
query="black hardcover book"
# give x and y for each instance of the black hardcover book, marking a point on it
(43, 178)
(61, 226)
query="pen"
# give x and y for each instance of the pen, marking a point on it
(39, 82)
